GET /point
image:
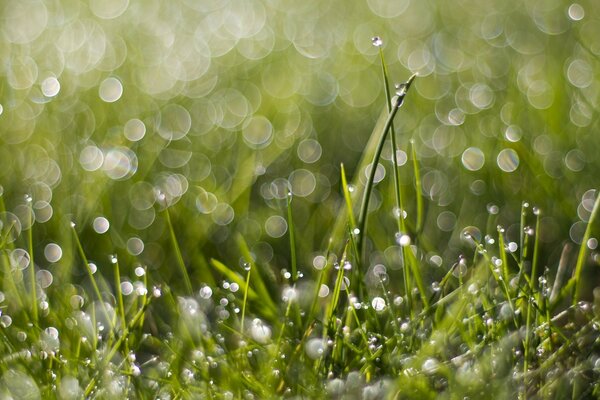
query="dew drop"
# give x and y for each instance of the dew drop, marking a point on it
(206, 292)
(378, 303)
(377, 41)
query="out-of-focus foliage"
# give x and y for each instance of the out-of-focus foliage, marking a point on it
(221, 106)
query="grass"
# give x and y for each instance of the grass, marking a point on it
(486, 326)
(261, 246)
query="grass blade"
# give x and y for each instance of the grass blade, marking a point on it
(583, 251)
(362, 218)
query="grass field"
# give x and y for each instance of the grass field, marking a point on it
(258, 199)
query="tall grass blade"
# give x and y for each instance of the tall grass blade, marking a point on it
(364, 210)
(418, 188)
(180, 263)
(290, 221)
(583, 251)
(347, 198)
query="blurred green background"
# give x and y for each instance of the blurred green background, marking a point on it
(112, 110)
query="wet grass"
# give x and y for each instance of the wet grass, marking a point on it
(491, 323)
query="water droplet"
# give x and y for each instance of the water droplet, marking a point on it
(319, 262)
(101, 225)
(492, 209)
(5, 321)
(377, 41)
(512, 247)
(93, 268)
(403, 240)
(126, 288)
(378, 303)
(323, 290)
(53, 252)
(260, 331)
(206, 292)
(430, 366)
(315, 348)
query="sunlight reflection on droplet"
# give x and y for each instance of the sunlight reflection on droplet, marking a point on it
(50, 87)
(53, 252)
(508, 160)
(101, 225)
(576, 12)
(473, 159)
(110, 90)
(134, 130)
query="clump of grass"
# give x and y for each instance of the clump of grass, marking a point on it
(418, 327)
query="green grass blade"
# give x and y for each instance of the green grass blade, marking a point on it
(180, 263)
(233, 277)
(290, 221)
(576, 280)
(347, 198)
(418, 188)
(364, 210)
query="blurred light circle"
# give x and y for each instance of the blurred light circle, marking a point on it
(175, 122)
(10, 227)
(206, 202)
(575, 160)
(44, 278)
(126, 288)
(22, 72)
(513, 133)
(280, 188)
(141, 195)
(23, 21)
(108, 9)
(276, 226)
(379, 172)
(91, 158)
(258, 132)
(223, 214)
(110, 90)
(473, 159)
(576, 12)
(50, 86)
(588, 199)
(577, 231)
(540, 94)
(580, 73)
(141, 219)
(134, 130)
(135, 246)
(120, 163)
(446, 221)
(309, 151)
(19, 259)
(388, 9)
(101, 225)
(177, 154)
(53, 252)
(303, 182)
(43, 211)
(508, 160)
(481, 96)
